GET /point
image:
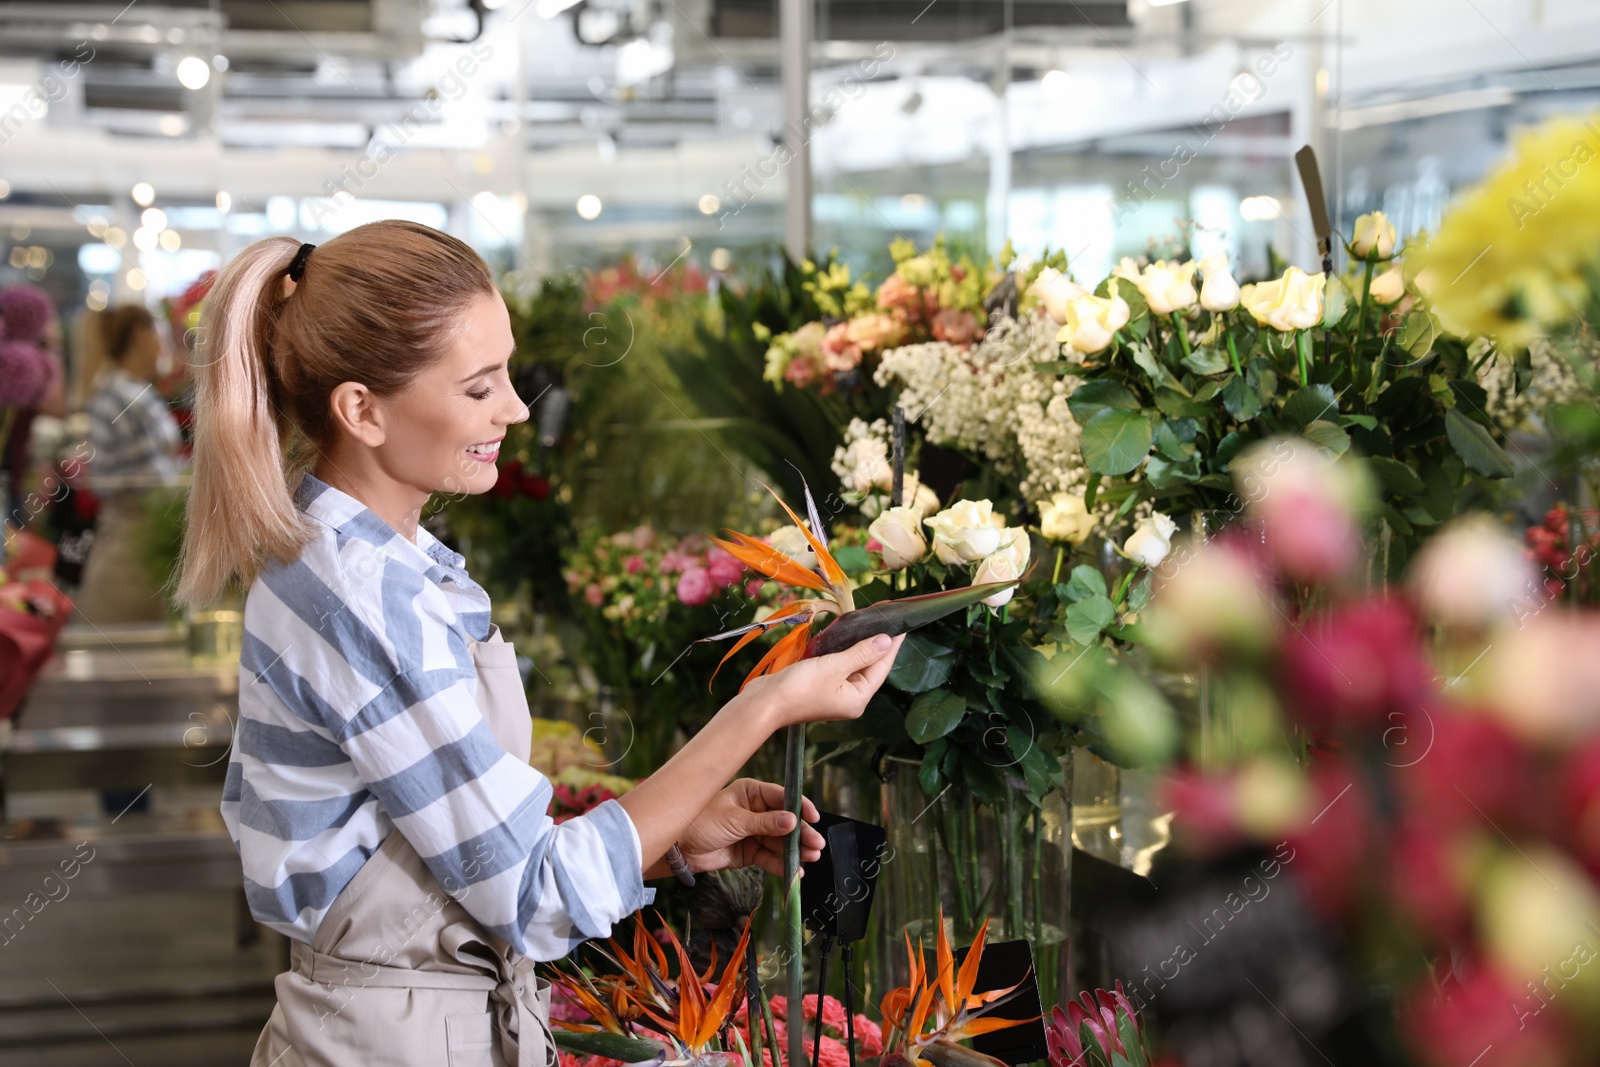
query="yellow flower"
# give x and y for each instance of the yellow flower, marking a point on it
(1374, 237)
(1292, 302)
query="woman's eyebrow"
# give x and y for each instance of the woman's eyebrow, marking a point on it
(487, 368)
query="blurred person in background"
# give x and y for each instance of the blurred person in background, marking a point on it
(134, 442)
(31, 383)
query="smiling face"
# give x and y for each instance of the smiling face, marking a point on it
(441, 433)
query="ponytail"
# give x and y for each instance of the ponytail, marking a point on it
(240, 511)
(370, 306)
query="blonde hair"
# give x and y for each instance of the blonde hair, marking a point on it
(370, 308)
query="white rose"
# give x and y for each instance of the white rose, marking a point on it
(1374, 237)
(899, 531)
(1055, 291)
(1151, 542)
(1091, 322)
(1389, 286)
(966, 531)
(1220, 292)
(791, 541)
(1006, 564)
(1065, 518)
(1167, 287)
(918, 497)
(868, 459)
(1292, 302)
(1473, 574)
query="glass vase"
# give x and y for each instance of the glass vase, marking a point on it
(1009, 863)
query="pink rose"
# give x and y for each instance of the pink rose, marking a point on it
(695, 586)
(955, 327)
(874, 331)
(839, 353)
(896, 292)
(594, 595)
(674, 562)
(635, 564)
(753, 587)
(802, 370)
(723, 568)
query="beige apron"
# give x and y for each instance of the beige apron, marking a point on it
(399, 974)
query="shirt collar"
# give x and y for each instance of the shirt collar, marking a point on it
(351, 518)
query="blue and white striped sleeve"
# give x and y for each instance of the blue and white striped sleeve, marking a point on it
(396, 689)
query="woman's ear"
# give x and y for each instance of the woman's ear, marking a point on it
(355, 411)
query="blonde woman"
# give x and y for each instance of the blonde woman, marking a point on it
(379, 789)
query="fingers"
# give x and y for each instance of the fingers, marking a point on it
(863, 654)
(769, 824)
(808, 810)
(870, 677)
(765, 796)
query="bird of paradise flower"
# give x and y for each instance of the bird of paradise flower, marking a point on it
(892, 617)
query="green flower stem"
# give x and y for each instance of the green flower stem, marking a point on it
(1183, 334)
(1233, 352)
(794, 939)
(1061, 552)
(1366, 302)
(1302, 342)
(1122, 587)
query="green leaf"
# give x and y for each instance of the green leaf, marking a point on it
(1328, 435)
(931, 775)
(1417, 334)
(1116, 441)
(1088, 617)
(1206, 361)
(1139, 593)
(1175, 405)
(610, 1046)
(922, 664)
(1228, 447)
(853, 558)
(1163, 473)
(1366, 422)
(934, 714)
(1086, 581)
(1091, 397)
(1240, 400)
(1394, 476)
(1314, 402)
(1336, 300)
(1175, 439)
(1153, 367)
(1092, 491)
(1475, 446)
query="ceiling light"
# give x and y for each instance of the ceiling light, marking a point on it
(98, 226)
(144, 194)
(224, 203)
(136, 280)
(220, 63)
(1259, 208)
(95, 301)
(1056, 82)
(5, 188)
(170, 241)
(173, 125)
(710, 204)
(154, 218)
(115, 237)
(194, 72)
(486, 201)
(721, 260)
(589, 206)
(549, 9)
(913, 201)
(145, 239)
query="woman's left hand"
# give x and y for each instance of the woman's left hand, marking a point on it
(745, 826)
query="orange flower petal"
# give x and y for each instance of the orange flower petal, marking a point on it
(769, 562)
(830, 567)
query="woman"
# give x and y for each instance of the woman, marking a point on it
(133, 442)
(379, 790)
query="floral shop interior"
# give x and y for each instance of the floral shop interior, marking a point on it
(1175, 424)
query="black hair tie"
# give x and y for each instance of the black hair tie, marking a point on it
(297, 265)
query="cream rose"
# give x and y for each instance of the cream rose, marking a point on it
(1005, 564)
(1374, 237)
(1167, 287)
(791, 541)
(873, 331)
(1054, 291)
(1151, 542)
(1092, 321)
(1065, 518)
(1389, 286)
(899, 531)
(1292, 302)
(1220, 292)
(918, 497)
(966, 531)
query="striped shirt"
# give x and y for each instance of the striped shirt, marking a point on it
(132, 434)
(357, 714)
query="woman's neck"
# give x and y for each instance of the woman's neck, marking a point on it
(396, 503)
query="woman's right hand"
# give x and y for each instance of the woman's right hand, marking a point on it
(826, 688)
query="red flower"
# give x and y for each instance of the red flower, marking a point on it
(1580, 792)
(1425, 885)
(1333, 852)
(1483, 1020)
(536, 486)
(1355, 667)
(1556, 519)
(1474, 773)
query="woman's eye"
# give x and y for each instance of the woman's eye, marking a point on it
(480, 394)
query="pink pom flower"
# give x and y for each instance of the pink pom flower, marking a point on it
(723, 568)
(594, 595)
(695, 586)
(753, 587)
(635, 564)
